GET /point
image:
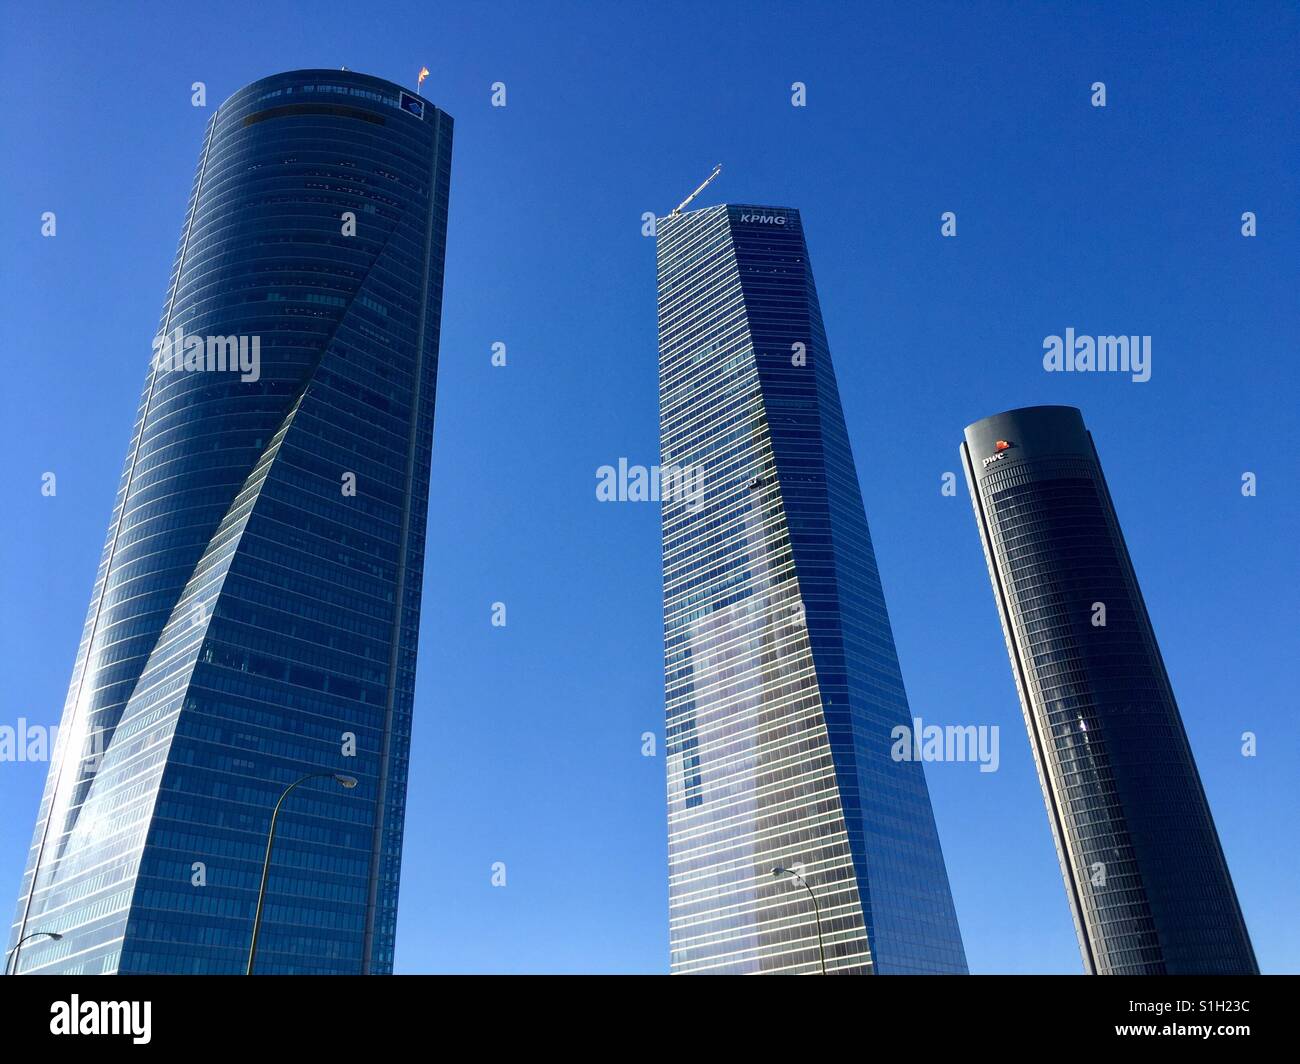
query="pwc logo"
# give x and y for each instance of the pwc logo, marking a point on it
(1000, 448)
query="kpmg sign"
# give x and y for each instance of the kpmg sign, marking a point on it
(764, 219)
(412, 105)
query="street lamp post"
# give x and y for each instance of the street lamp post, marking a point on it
(347, 783)
(777, 873)
(16, 952)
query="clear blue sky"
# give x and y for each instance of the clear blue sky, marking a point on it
(527, 739)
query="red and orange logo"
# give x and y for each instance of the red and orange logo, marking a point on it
(1000, 448)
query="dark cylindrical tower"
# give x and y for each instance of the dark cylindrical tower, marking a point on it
(1146, 876)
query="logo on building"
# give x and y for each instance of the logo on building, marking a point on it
(764, 219)
(1000, 447)
(412, 105)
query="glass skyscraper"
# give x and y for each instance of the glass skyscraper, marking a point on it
(256, 609)
(1144, 871)
(782, 680)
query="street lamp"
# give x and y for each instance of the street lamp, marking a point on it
(347, 783)
(777, 873)
(14, 953)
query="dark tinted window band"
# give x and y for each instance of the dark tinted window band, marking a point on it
(315, 109)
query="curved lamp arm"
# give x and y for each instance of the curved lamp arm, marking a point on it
(347, 783)
(777, 873)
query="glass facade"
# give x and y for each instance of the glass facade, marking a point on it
(256, 610)
(782, 680)
(1144, 871)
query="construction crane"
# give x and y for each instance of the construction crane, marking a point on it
(705, 184)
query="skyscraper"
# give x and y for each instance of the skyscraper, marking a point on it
(256, 609)
(782, 680)
(1146, 877)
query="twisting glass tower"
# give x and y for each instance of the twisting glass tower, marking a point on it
(781, 676)
(256, 610)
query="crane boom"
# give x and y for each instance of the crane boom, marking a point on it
(703, 185)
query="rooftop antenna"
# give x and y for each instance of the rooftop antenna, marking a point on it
(705, 184)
